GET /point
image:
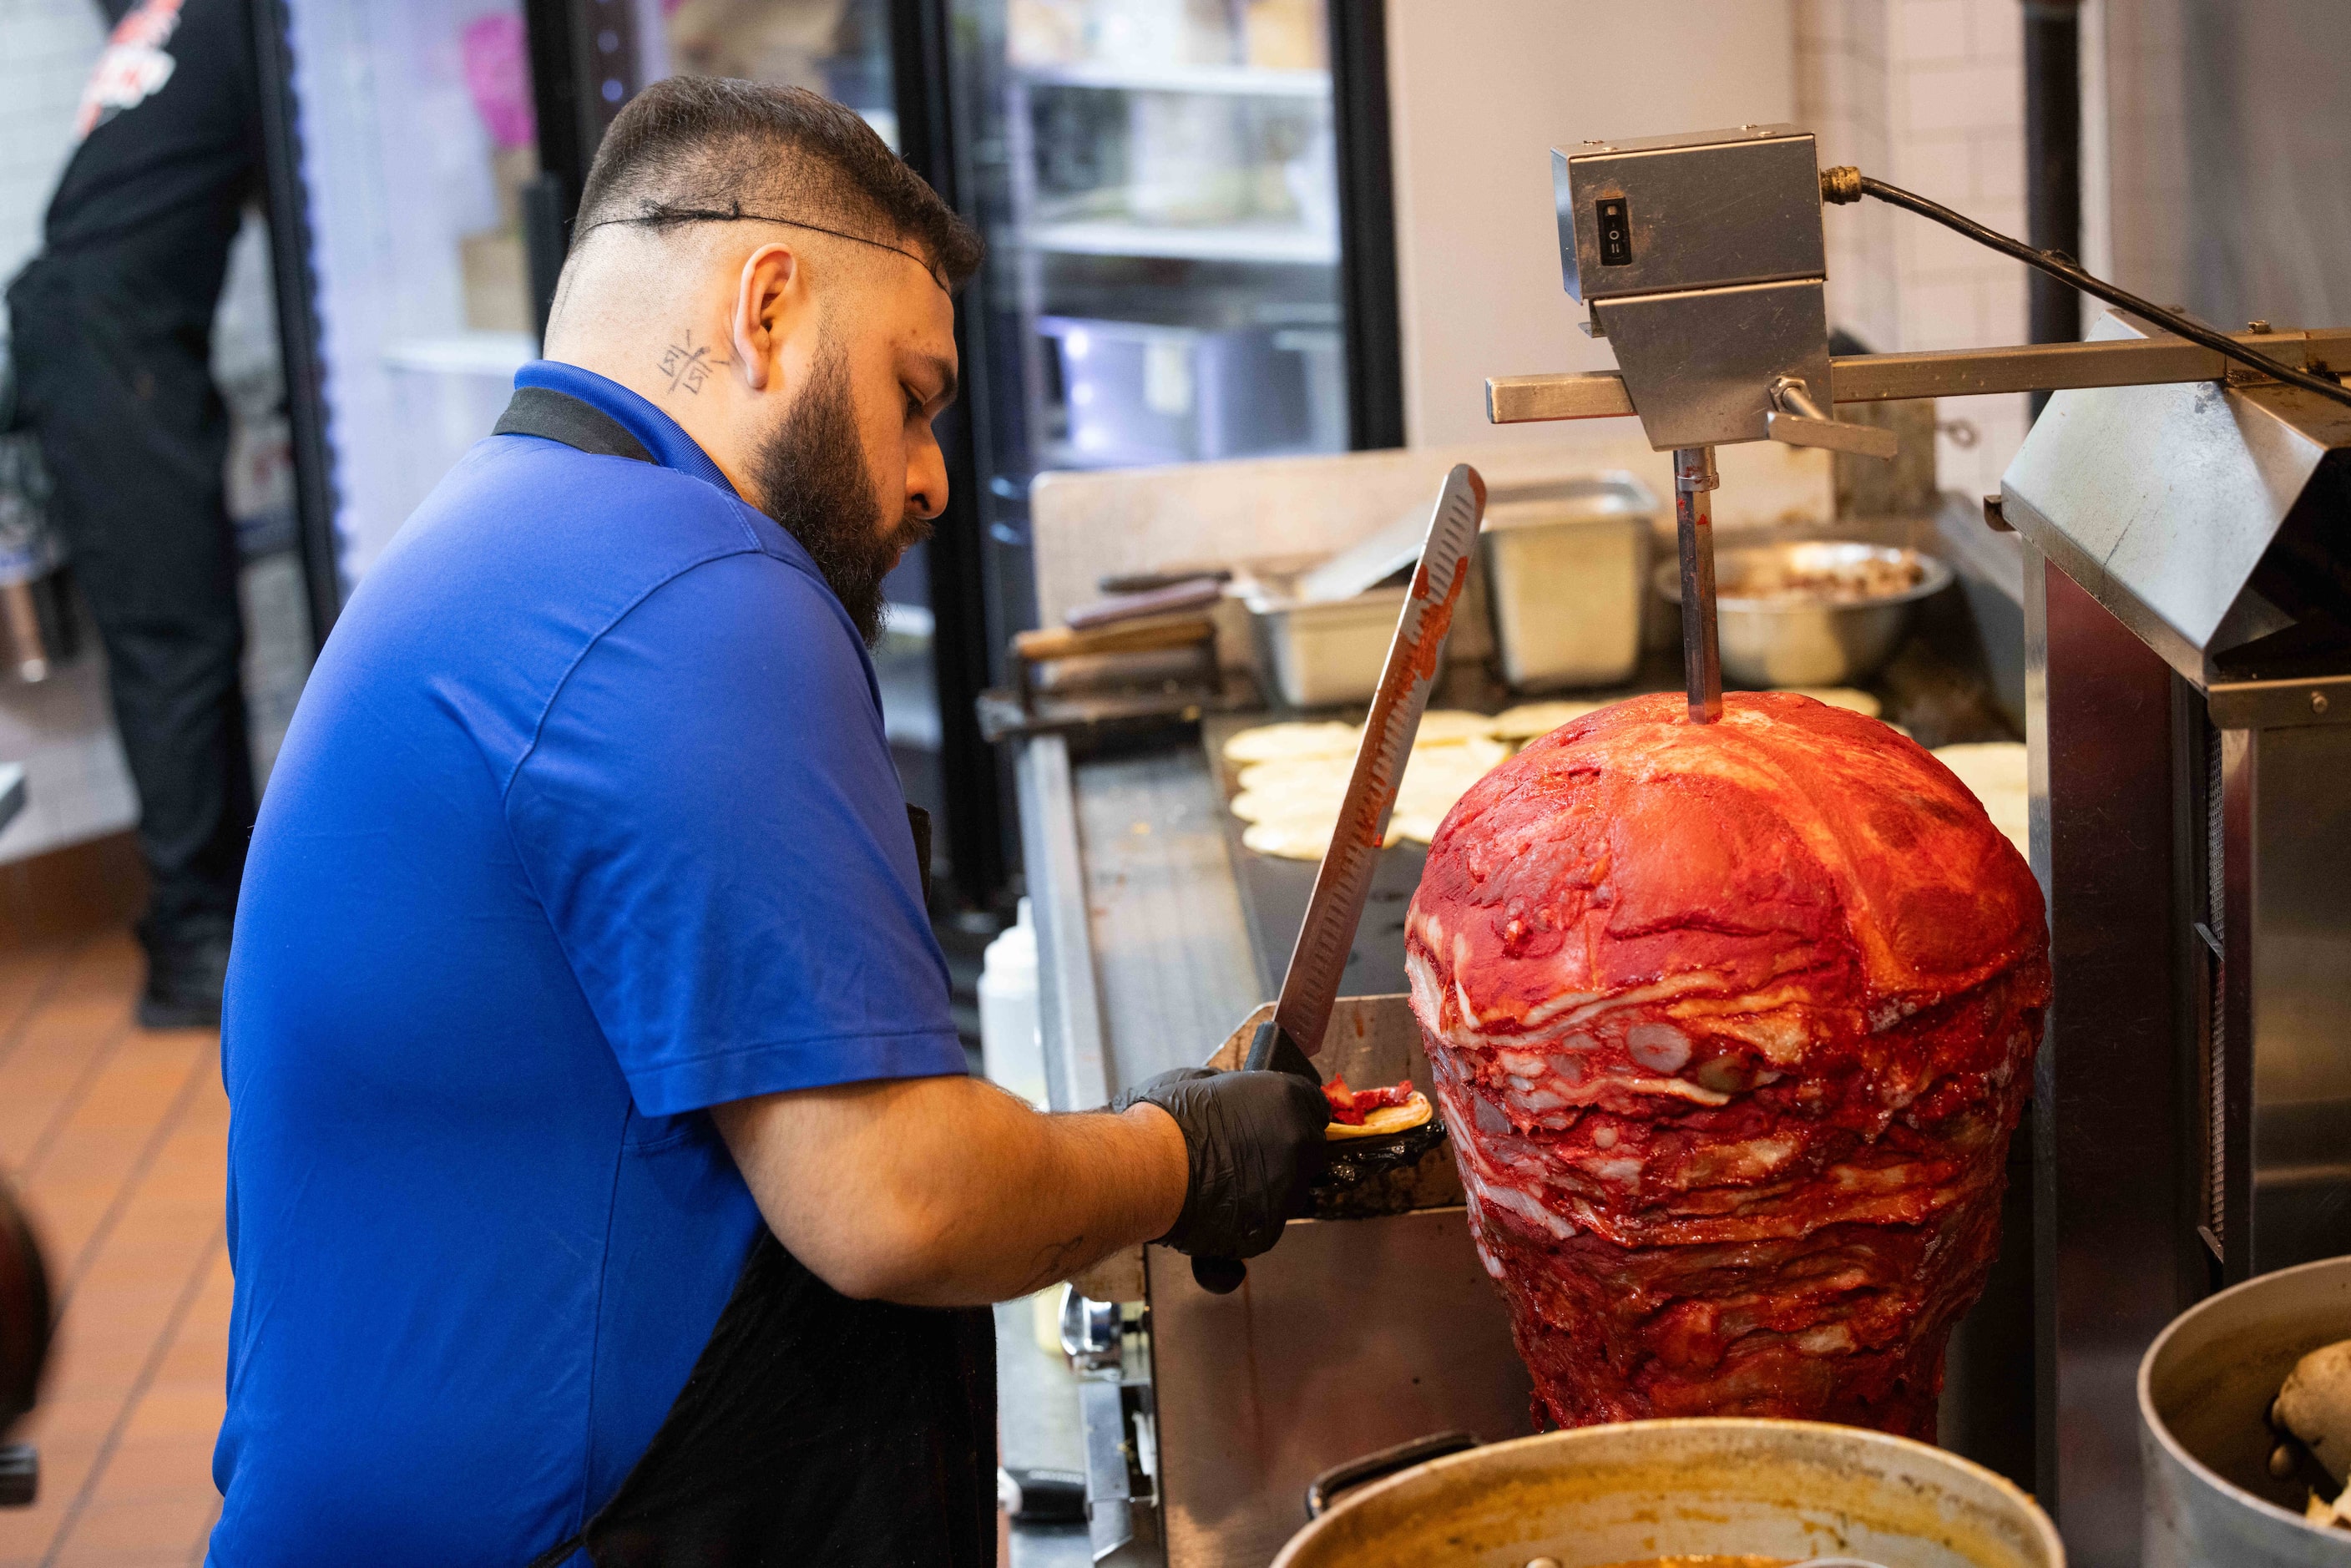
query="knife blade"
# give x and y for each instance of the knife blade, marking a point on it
(1344, 883)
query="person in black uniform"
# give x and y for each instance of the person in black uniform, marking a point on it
(112, 332)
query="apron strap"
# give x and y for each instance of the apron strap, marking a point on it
(560, 416)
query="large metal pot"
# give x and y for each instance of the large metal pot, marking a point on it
(1623, 1493)
(2204, 1392)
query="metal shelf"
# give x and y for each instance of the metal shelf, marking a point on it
(1241, 80)
(1288, 245)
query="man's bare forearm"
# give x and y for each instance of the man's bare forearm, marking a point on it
(948, 1191)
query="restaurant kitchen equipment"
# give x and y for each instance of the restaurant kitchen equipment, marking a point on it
(1561, 572)
(1208, 1414)
(2205, 1388)
(2183, 501)
(1709, 1489)
(1292, 1037)
(1217, 1405)
(1566, 567)
(1206, 1418)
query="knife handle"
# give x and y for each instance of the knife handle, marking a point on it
(1273, 1051)
(1218, 1276)
(1270, 1050)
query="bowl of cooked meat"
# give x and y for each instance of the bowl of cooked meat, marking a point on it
(1813, 613)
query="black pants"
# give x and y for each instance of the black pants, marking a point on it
(117, 384)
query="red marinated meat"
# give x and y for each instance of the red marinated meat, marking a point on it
(1350, 1107)
(1730, 1024)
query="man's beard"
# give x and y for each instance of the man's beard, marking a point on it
(812, 476)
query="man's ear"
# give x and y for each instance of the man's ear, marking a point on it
(765, 297)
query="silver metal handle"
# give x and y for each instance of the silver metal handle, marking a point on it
(1090, 1333)
(1796, 420)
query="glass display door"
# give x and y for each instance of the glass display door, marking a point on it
(1158, 183)
(593, 56)
(416, 143)
(1190, 257)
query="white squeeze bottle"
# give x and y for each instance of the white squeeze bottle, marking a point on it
(1010, 1048)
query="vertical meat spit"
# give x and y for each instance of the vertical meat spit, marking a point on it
(1694, 478)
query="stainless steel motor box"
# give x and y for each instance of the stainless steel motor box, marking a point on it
(1702, 260)
(1698, 211)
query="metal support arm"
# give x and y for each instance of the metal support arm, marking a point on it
(1954, 372)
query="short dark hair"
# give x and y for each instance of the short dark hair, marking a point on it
(699, 144)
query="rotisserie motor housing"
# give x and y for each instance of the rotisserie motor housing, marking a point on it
(1730, 1024)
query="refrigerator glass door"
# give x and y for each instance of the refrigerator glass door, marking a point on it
(416, 137)
(840, 48)
(1157, 182)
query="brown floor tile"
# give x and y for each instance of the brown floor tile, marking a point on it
(160, 1523)
(108, 1361)
(118, 1139)
(144, 1462)
(74, 1555)
(26, 970)
(33, 1531)
(74, 1417)
(179, 1409)
(196, 1357)
(41, 1086)
(105, 1327)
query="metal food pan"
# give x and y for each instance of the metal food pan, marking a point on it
(1320, 655)
(1566, 567)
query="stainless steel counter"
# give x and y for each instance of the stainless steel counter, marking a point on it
(1144, 965)
(1159, 968)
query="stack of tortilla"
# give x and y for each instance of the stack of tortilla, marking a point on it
(1293, 780)
(1294, 776)
(1994, 772)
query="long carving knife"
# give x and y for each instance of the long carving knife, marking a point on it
(1344, 882)
(1286, 1042)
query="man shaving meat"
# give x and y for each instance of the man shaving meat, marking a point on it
(604, 1183)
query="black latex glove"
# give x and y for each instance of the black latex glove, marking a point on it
(1253, 1141)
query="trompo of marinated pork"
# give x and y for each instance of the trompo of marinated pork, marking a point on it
(1730, 1024)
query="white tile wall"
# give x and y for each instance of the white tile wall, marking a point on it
(47, 47)
(2147, 145)
(1842, 94)
(1479, 92)
(1929, 95)
(76, 785)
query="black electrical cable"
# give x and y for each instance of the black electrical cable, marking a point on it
(1848, 184)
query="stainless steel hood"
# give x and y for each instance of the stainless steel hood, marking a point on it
(2166, 502)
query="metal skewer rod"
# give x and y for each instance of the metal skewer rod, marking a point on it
(1694, 478)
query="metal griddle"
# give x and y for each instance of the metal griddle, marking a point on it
(1274, 891)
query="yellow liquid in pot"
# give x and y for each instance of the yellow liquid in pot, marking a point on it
(1707, 1559)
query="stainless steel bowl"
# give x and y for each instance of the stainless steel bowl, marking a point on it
(2204, 1393)
(1795, 639)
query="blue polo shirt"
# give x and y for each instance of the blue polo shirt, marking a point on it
(586, 823)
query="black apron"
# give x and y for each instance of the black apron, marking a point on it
(814, 1429)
